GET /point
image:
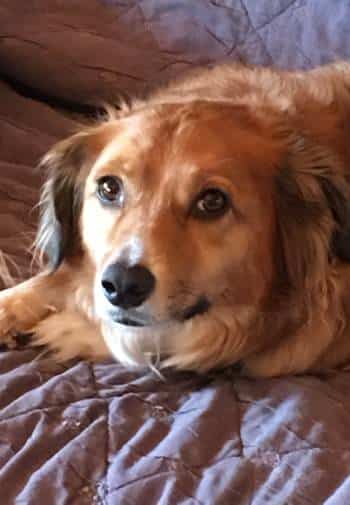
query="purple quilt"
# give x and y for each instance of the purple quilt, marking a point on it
(101, 434)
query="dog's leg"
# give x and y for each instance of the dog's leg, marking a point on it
(25, 305)
(70, 334)
(39, 306)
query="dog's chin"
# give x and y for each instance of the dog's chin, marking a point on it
(136, 339)
(136, 345)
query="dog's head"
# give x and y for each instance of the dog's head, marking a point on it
(197, 222)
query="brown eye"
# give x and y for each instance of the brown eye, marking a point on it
(110, 190)
(211, 204)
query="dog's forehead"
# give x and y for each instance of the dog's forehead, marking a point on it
(121, 140)
(189, 139)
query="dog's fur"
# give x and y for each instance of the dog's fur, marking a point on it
(274, 267)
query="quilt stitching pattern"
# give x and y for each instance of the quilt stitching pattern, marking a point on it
(145, 430)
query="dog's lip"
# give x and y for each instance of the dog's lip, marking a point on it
(128, 321)
(132, 318)
(201, 306)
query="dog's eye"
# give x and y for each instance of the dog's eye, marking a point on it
(211, 204)
(110, 190)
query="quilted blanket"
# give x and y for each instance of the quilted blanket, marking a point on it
(88, 433)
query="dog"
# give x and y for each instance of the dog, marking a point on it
(204, 226)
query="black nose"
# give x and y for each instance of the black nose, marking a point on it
(127, 287)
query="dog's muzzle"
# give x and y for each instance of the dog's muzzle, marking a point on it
(126, 288)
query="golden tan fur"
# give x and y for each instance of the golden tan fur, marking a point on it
(274, 268)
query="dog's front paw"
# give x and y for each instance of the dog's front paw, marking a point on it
(11, 319)
(5, 323)
(13, 333)
(69, 335)
(15, 341)
(18, 316)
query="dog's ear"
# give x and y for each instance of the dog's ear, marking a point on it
(339, 203)
(313, 215)
(61, 199)
(304, 228)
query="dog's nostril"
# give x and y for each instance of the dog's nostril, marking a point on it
(108, 287)
(135, 289)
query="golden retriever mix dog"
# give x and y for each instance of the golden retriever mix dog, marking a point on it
(204, 226)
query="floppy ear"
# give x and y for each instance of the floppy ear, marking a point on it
(61, 200)
(339, 205)
(313, 215)
(304, 229)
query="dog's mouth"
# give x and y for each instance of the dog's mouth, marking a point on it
(127, 321)
(201, 307)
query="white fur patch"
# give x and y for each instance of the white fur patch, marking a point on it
(133, 251)
(138, 346)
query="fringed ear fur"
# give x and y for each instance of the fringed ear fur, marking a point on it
(313, 217)
(303, 227)
(339, 205)
(61, 200)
